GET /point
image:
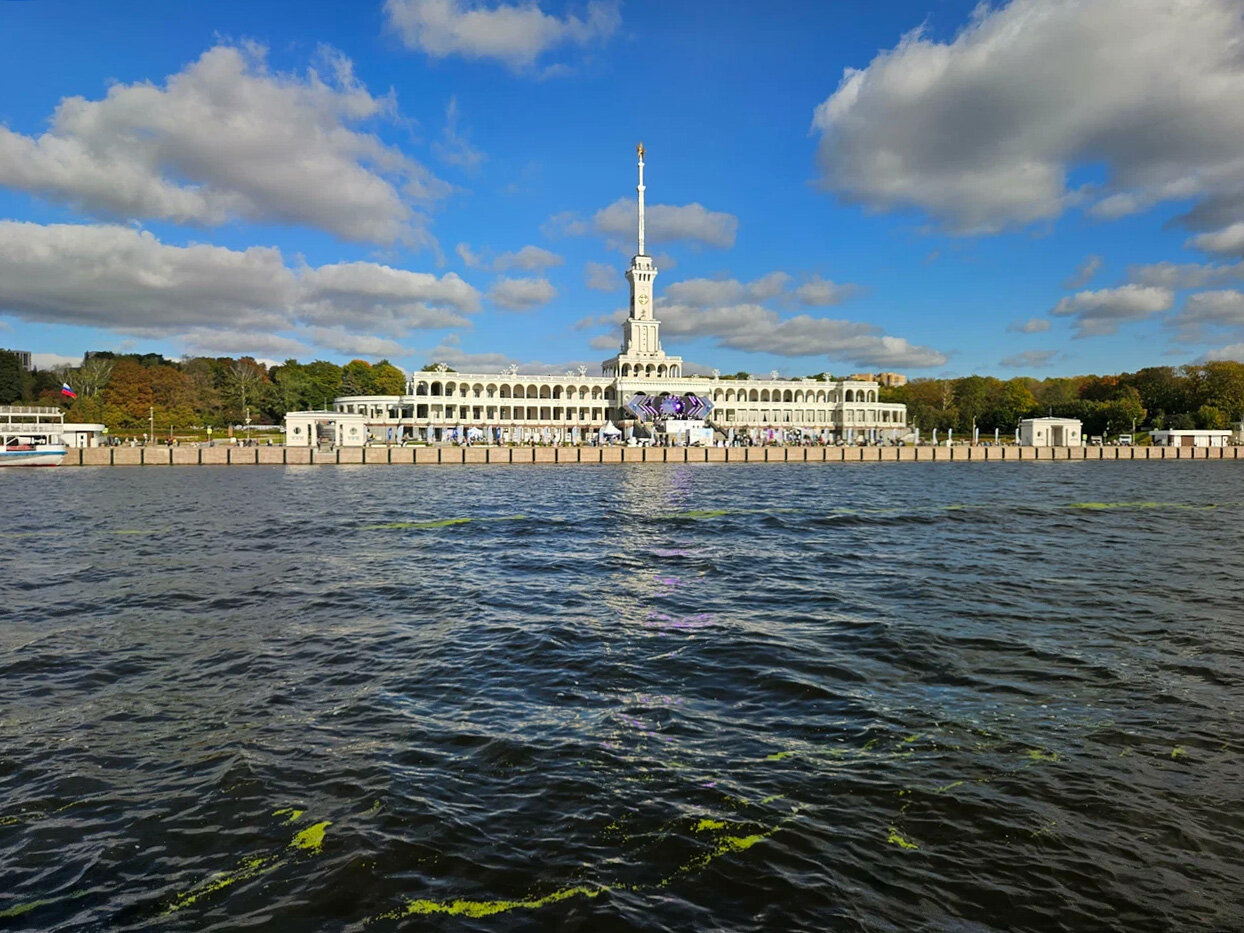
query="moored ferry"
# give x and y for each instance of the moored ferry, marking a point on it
(31, 436)
(13, 454)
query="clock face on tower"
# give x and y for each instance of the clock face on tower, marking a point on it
(642, 299)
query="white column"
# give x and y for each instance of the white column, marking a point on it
(640, 189)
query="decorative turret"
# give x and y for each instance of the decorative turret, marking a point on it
(641, 353)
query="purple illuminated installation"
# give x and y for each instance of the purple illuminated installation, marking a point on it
(659, 408)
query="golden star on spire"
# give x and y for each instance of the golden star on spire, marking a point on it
(640, 150)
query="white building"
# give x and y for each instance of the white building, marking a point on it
(312, 428)
(639, 385)
(1050, 432)
(1190, 438)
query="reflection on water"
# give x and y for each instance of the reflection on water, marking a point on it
(884, 697)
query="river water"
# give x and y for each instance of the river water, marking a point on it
(999, 696)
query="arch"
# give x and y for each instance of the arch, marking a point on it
(754, 396)
(437, 389)
(505, 392)
(651, 371)
(626, 369)
(788, 396)
(661, 370)
(545, 392)
(557, 391)
(872, 395)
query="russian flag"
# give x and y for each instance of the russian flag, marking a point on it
(65, 390)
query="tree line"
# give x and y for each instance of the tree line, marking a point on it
(1206, 395)
(124, 391)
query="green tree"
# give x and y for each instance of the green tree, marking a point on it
(1014, 403)
(1124, 411)
(1211, 417)
(204, 376)
(1162, 390)
(89, 379)
(323, 384)
(1222, 386)
(12, 378)
(357, 378)
(171, 397)
(387, 379)
(291, 386)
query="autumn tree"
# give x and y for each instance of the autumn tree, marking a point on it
(127, 397)
(387, 379)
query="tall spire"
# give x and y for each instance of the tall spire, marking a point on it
(640, 189)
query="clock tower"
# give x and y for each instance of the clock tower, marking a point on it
(641, 353)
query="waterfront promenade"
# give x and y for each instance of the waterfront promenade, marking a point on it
(250, 456)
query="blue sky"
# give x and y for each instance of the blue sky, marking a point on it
(1043, 187)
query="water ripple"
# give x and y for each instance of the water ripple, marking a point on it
(799, 698)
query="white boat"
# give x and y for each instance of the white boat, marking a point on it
(31, 436)
(32, 455)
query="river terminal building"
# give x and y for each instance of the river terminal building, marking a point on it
(642, 391)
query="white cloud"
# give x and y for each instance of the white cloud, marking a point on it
(1214, 309)
(228, 138)
(453, 147)
(517, 35)
(755, 328)
(1233, 352)
(127, 281)
(1083, 274)
(470, 258)
(371, 297)
(819, 292)
(1185, 275)
(1229, 240)
(665, 223)
(1035, 325)
(985, 132)
(612, 319)
(605, 342)
(521, 294)
(54, 360)
(529, 259)
(452, 355)
(122, 279)
(702, 293)
(602, 277)
(1098, 313)
(357, 345)
(1030, 359)
(244, 343)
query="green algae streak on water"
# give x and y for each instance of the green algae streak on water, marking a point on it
(623, 698)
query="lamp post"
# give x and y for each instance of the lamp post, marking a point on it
(151, 415)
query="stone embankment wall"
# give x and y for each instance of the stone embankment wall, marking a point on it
(249, 456)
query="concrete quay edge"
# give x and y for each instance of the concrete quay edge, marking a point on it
(292, 456)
